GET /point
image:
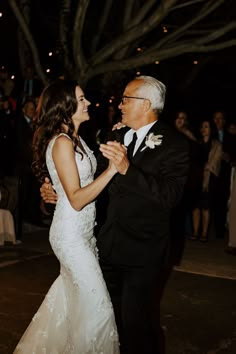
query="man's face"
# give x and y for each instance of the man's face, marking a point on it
(205, 129)
(180, 120)
(232, 129)
(131, 108)
(219, 120)
(29, 110)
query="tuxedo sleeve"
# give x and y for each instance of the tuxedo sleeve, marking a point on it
(163, 183)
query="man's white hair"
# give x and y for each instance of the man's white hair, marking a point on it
(153, 90)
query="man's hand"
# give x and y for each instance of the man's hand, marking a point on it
(117, 153)
(47, 192)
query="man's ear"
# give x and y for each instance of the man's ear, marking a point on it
(146, 104)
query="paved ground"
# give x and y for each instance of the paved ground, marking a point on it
(198, 308)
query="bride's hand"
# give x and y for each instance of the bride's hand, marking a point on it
(118, 126)
(112, 167)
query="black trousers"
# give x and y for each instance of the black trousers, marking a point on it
(135, 294)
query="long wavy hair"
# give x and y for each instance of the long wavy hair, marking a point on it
(56, 107)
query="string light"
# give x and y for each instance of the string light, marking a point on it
(48, 70)
(139, 49)
(1, 14)
(138, 73)
(157, 62)
(195, 62)
(13, 77)
(50, 54)
(165, 30)
(97, 104)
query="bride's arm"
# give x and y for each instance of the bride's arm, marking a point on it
(64, 159)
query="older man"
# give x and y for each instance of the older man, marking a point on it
(134, 240)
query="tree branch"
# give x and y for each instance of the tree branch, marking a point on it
(29, 39)
(188, 3)
(101, 25)
(142, 13)
(128, 13)
(217, 33)
(144, 59)
(79, 58)
(203, 12)
(129, 23)
(134, 33)
(63, 30)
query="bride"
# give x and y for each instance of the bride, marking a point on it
(76, 315)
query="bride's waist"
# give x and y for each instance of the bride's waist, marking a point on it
(63, 207)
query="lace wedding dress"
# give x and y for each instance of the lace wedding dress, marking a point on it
(76, 315)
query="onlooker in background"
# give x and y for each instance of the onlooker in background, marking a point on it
(208, 171)
(30, 197)
(182, 124)
(32, 87)
(222, 187)
(7, 148)
(182, 214)
(231, 249)
(231, 145)
(232, 199)
(6, 83)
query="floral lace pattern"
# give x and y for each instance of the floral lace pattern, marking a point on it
(76, 316)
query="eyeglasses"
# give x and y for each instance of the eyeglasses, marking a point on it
(123, 98)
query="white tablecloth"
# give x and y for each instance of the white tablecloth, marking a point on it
(7, 228)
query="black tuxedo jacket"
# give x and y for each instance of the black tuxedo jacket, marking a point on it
(137, 227)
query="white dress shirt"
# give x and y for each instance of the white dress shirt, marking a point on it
(141, 134)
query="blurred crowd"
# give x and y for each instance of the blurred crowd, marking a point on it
(208, 202)
(17, 112)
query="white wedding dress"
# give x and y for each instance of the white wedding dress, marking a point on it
(76, 315)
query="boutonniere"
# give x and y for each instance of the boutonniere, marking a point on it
(152, 141)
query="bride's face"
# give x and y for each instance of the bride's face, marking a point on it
(81, 113)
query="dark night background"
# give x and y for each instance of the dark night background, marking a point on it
(213, 88)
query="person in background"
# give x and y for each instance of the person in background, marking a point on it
(7, 138)
(6, 83)
(32, 87)
(209, 166)
(29, 193)
(222, 183)
(231, 249)
(182, 214)
(182, 125)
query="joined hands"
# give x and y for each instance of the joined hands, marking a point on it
(117, 154)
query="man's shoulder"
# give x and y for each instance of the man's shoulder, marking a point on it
(171, 136)
(167, 129)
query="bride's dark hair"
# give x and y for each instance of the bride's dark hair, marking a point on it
(57, 105)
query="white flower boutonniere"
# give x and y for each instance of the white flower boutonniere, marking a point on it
(152, 141)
